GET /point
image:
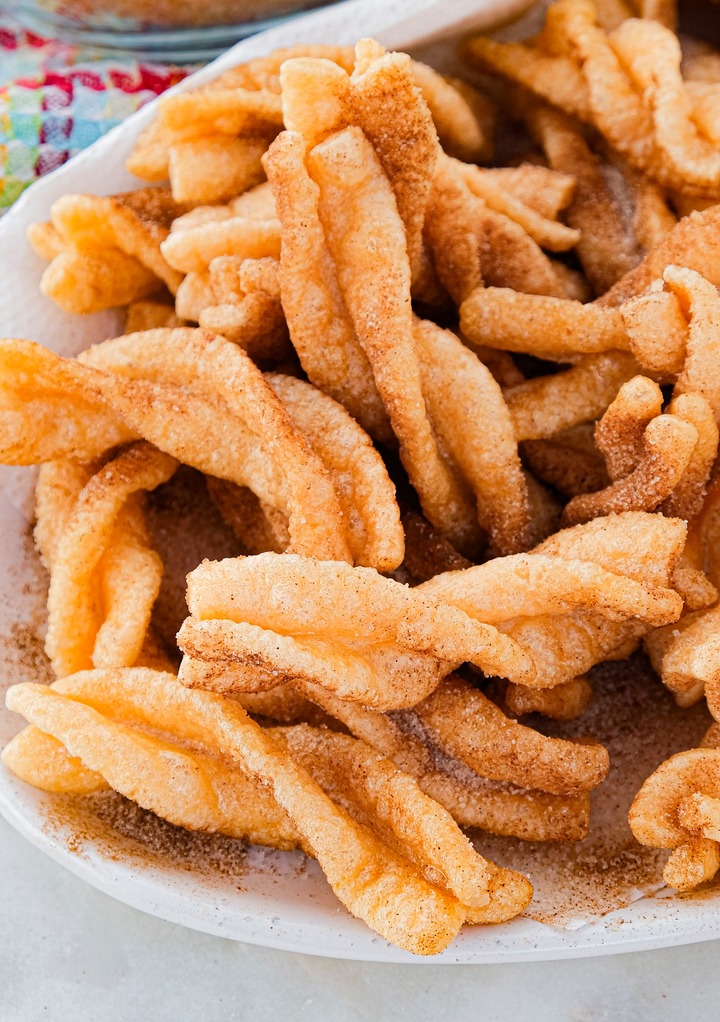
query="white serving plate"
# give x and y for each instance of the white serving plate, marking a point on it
(280, 900)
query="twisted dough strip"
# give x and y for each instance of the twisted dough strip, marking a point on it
(361, 483)
(240, 299)
(474, 801)
(366, 637)
(687, 654)
(369, 639)
(641, 547)
(366, 239)
(621, 436)
(668, 446)
(391, 823)
(627, 84)
(678, 807)
(413, 374)
(456, 385)
(563, 643)
(136, 223)
(104, 575)
(202, 399)
(310, 294)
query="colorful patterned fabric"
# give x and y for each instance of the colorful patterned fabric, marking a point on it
(55, 100)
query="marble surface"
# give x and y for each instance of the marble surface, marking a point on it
(71, 954)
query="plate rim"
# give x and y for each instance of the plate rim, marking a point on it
(478, 946)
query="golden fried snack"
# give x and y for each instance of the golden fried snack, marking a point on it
(548, 405)
(135, 223)
(510, 258)
(614, 107)
(234, 108)
(471, 420)
(358, 479)
(390, 806)
(86, 282)
(104, 576)
(678, 807)
(636, 545)
(564, 702)
(311, 296)
(626, 84)
(534, 584)
(546, 191)
(218, 109)
(417, 827)
(191, 249)
(472, 729)
(699, 556)
(699, 297)
(256, 204)
(388, 646)
(366, 239)
(668, 443)
(686, 499)
(59, 485)
(686, 351)
(401, 132)
(246, 306)
(609, 244)
(548, 327)
(712, 693)
(194, 294)
(148, 315)
(619, 433)
(192, 789)
(158, 366)
(43, 761)
(687, 656)
(553, 77)
(474, 801)
(216, 169)
(150, 155)
(657, 331)
(693, 243)
(452, 228)
(224, 445)
(45, 240)
(653, 218)
(47, 411)
(651, 54)
(364, 489)
(265, 71)
(548, 233)
(256, 324)
(316, 98)
(703, 97)
(319, 99)
(464, 117)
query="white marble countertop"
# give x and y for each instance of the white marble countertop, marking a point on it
(71, 954)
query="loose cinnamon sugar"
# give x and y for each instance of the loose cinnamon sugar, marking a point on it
(31, 658)
(636, 718)
(186, 528)
(123, 831)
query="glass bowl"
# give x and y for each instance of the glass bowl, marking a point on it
(177, 30)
